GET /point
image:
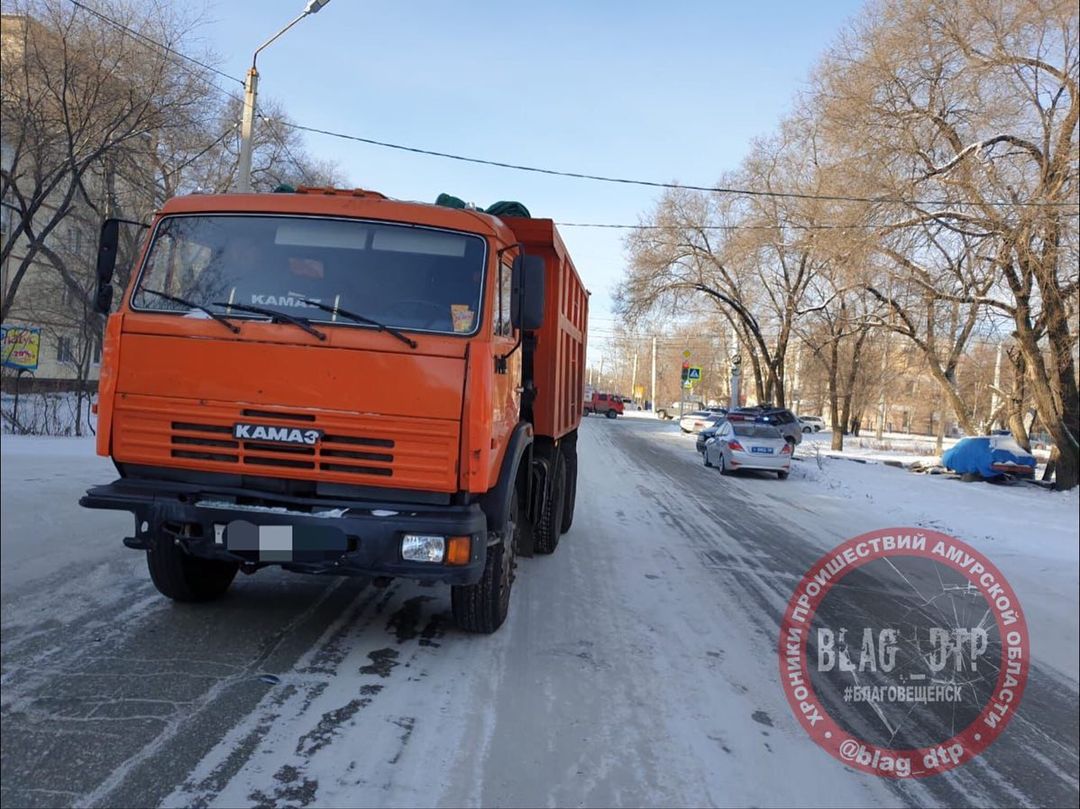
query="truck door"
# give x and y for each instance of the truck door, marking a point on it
(506, 401)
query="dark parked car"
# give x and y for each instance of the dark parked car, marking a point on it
(779, 417)
(707, 433)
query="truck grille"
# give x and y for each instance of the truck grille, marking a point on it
(381, 450)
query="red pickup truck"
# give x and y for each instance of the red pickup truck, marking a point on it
(607, 403)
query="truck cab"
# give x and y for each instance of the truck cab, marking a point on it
(605, 404)
(340, 383)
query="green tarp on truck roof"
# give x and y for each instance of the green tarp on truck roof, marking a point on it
(500, 208)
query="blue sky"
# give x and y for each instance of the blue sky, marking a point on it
(669, 92)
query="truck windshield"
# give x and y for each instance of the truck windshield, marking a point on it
(402, 276)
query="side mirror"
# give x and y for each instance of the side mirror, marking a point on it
(106, 264)
(103, 299)
(107, 244)
(527, 289)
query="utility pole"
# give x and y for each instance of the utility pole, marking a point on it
(652, 387)
(796, 383)
(736, 374)
(994, 390)
(881, 396)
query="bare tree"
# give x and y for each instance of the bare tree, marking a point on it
(75, 91)
(965, 114)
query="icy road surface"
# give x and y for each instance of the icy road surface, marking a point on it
(638, 665)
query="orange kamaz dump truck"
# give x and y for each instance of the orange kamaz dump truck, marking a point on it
(339, 383)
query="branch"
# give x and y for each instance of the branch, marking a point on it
(980, 145)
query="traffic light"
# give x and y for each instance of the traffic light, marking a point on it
(685, 370)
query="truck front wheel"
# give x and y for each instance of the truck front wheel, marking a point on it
(482, 607)
(182, 577)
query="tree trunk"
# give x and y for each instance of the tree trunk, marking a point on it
(834, 395)
(1061, 416)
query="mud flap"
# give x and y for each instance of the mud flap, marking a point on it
(538, 483)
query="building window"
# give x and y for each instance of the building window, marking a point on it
(70, 299)
(64, 351)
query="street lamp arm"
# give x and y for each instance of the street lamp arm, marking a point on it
(247, 123)
(272, 39)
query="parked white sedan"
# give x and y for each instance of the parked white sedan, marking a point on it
(698, 420)
(748, 445)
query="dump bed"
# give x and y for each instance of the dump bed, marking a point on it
(559, 366)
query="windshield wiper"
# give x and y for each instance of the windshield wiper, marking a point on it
(185, 302)
(275, 315)
(361, 319)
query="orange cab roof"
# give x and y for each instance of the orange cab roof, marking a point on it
(359, 203)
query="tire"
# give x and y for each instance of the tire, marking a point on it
(548, 528)
(482, 607)
(808, 429)
(611, 414)
(571, 488)
(781, 475)
(182, 577)
(662, 415)
(705, 455)
(723, 466)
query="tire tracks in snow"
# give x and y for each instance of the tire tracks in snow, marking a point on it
(749, 537)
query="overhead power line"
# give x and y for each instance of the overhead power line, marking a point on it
(717, 189)
(748, 192)
(779, 226)
(150, 41)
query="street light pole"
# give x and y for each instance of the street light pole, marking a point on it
(251, 85)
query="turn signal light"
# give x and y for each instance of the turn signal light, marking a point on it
(786, 450)
(735, 445)
(458, 550)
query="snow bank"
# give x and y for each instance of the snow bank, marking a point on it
(46, 414)
(1031, 534)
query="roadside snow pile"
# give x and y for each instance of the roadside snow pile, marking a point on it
(639, 414)
(915, 452)
(46, 414)
(77, 448)
(1031, 534)
(1019, 518)
(896, 448)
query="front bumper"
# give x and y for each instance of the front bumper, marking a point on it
(306, 535)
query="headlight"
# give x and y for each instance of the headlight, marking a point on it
(423, 548)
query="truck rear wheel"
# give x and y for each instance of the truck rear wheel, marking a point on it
(549, 526)
(612, 414)
(482, 607)
(182, 577)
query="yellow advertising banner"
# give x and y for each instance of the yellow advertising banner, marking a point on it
(19, 347)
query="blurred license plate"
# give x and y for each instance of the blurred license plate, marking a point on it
(285, 543)
(762, 450)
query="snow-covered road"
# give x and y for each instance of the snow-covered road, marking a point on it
(638, 665)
